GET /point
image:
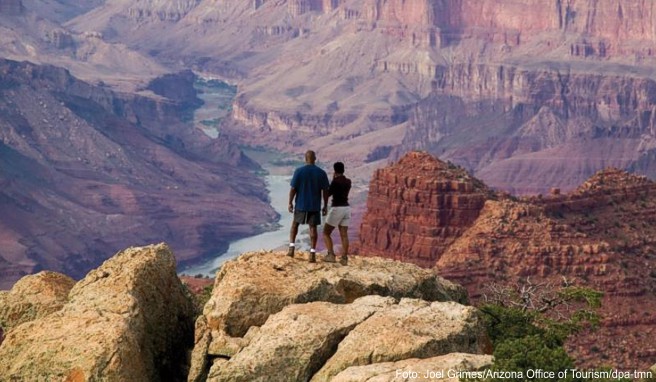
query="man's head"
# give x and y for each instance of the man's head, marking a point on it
(339, 168)
(310, 157)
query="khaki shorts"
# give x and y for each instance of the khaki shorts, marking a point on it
(339, 216)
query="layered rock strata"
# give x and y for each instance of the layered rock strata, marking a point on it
(130, 319)
(600, 235)
(264, 302)
(417, 207)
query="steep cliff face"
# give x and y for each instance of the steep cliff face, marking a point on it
(600, 235)
(535, 79)
(512, 127)
(607, 28)
(87, 171)
(160, 10)
(418, 207)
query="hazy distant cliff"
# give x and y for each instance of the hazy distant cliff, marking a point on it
(87, 171)
(517, 92)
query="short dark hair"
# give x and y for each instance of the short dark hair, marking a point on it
(338, 167)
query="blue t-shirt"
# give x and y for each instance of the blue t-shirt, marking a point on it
(308, 181)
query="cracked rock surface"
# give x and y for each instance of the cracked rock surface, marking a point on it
(128, 320)
(272, 318)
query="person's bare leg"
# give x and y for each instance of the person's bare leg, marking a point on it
(327, 231)
(292, 239)
(293, 232)
(313, 242)
(343, 233)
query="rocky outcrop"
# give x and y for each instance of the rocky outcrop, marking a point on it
(178, 87)
(405, 331)
(130, 319)
(417, 207)
(294, 342)
(441, 368)
(265, 301)
(61, 39)
(169, 11)
(600, 235)
(33, 297)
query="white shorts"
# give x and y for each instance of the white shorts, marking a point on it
(339, 216)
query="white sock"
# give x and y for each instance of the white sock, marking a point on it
(312, 250)
(291, 244)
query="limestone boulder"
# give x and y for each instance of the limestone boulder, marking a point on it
(32, 297)
(257, 285)
(128, 320)
(411, 329)
(317, 341)
(294, 343)
(441, 368)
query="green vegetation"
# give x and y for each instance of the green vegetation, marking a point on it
(201, 299)
(528, 325)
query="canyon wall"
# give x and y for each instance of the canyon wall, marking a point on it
(605, 28)
(513, 126)
(599, 235)
(544, 85)
(87, 171)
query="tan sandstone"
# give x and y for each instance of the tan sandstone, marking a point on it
(251, 288)
(441, 367)
(293, 344)
(411, 329)
(33, 297)
(128, 320)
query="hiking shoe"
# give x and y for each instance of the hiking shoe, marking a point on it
(329, 258)
(290, 252)
(313, 257)
(343, 260)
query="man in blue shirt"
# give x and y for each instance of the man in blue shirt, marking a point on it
(308, 186)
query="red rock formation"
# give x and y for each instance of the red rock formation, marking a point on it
(601, 235)
(418, 207)
(605, 24)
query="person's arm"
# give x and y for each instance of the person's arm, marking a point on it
(292, 195)
(325, 186)
(324, 191)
